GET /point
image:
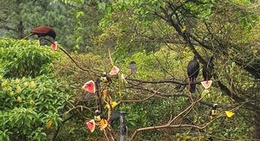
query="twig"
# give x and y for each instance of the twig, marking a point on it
(167, 125)
(83, 69)
(138, 100)
(109, 56)
(74, 107)
(164, 81)
(64, 51)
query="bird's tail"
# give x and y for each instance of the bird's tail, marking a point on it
(27, 36)
(192, 88)
(114, 117)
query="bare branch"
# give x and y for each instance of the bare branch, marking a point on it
(167, 125)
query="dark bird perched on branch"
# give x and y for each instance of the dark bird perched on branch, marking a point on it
(214, 110)
(44, 31)
(132, 67)
(207, 69)
(193, 72)
(114, 116)
(105, 78)
(98, 116)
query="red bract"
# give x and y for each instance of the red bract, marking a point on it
(90, 86)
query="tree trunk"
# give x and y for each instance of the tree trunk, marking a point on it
(20, 30)
(256, 126)
(123, 127)
(20, 27)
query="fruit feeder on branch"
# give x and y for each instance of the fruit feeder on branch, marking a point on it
(90, 86)
(114, 71)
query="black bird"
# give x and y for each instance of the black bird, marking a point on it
(207, 69)
(44, 31)
(98, 116)
(193, 72)
(214, 110)
(105, 78)
(114, 116)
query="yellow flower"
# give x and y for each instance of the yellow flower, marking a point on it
(11, 93)
(183, 29)
(18, 89)
(229, 114)
(32, 84)
(4, 83)
(112, 104)
(17, 80)
(9, 88)
(31, 102)
(23, 79)
(25, 84)
(97, 118)
(19, 99)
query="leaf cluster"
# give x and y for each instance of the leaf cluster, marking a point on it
(31, 98)
(24, 59)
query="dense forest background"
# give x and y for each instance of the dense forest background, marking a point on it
(41, 95)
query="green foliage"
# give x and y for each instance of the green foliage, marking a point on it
(133, 32)
(145, 65)
(200, 9)
(31, 97)
(24, 59)
(248, 20)
(82, 24)
(20, 17)
(72, 1)
(28, 104)
(159, 65)
(222, 25)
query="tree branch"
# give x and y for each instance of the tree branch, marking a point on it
(169, 123)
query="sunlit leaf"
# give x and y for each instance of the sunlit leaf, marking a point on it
(103, 124)
(229, 114)
(112, 104)
(49, 123)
